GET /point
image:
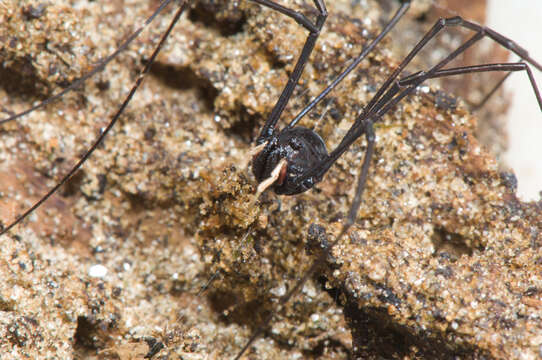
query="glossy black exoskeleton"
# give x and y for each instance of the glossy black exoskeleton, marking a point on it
(303, 150)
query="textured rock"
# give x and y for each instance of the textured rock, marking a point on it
(443, 260)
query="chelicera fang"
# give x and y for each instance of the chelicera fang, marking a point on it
(295, 157)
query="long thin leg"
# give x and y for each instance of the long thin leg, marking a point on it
(391, 92)
(390, 100)
(297, 16)
(439, 26)
(108, 127)
(509, 67)
(391, 24)
(101, 65)
(395, 94)
(356, 203)
(477, 106)
(288, 90)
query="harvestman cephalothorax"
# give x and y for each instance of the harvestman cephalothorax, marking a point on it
(293, 176)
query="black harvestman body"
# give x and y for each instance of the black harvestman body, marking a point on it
(211, 227)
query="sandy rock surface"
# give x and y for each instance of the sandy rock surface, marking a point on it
(443, 260)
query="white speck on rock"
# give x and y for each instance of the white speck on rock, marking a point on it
(97, 271)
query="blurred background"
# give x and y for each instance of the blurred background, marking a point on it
(522, 21)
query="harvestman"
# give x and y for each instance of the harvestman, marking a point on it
(292, 160)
